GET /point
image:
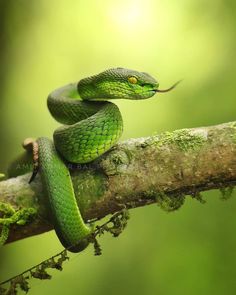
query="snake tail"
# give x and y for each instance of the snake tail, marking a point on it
(66, 216)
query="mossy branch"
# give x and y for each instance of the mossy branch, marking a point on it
(137, 172)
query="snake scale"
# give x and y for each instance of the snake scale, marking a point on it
(91, 126)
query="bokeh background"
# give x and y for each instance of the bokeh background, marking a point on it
(46, 44)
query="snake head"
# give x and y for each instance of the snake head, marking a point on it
(118, 83)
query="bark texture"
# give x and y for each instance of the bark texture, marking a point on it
(137, 172)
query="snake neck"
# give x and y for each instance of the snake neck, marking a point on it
(86, 89)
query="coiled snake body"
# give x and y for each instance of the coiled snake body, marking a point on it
(92, 126)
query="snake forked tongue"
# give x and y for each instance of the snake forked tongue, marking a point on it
(169, 89)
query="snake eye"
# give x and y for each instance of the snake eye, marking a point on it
(133, 80)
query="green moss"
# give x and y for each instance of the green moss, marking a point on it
(4, 235)
(170, 203)
(183, 139)
(166, 202)
(11, 216)
(226, 192)
(119, 158)
(115, 226)
(116, 162)
(89, 186)
(199, 197)
(6, 209)
(23, 200)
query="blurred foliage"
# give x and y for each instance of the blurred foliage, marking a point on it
(45, 44)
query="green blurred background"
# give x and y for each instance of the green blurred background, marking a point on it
(46, 44)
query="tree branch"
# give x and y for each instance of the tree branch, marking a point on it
(137, 172)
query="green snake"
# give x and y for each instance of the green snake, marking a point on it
(92, 125)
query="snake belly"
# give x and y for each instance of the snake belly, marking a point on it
(91, 128)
